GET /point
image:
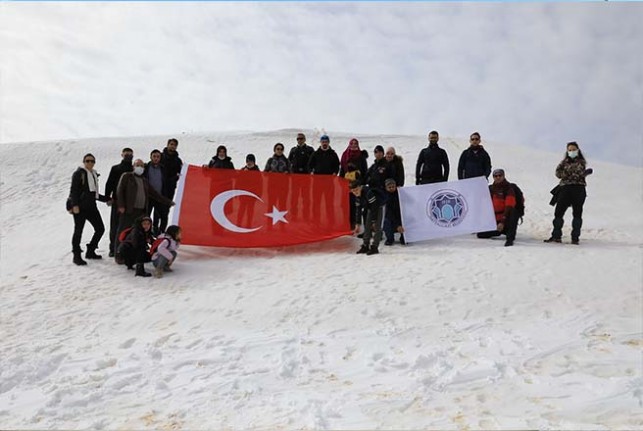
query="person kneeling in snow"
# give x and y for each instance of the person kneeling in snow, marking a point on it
(503, 197)
(164, 254)
(134, 248)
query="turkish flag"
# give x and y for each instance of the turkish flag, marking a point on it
(230, 208)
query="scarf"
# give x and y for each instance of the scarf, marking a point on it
(92, 181)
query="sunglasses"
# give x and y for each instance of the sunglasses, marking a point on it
(90, 161)
(475, 139)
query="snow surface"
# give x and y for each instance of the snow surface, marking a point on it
(457, 333)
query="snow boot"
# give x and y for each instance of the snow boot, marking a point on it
(402, 240)
(373, 250)
(363, 249)
(158, 272)
(140, 271)
(552, 239)
(78, 260)
(91, 253)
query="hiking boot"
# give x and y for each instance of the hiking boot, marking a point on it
(363, 249)
(552, 239)
(91, 253)
(402, 240)
(78, 260)
(158, 272)
(167, 268)
(388, 242)
(509, 243)
(140, 271)
(575, 241)
(372, 250)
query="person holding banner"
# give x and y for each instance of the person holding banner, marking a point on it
(474, 161)
(324, 161)
(221, 160)
(503, 198)
(373, 200)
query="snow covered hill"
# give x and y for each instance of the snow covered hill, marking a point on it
(454, 333)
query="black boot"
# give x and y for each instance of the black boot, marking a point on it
(552, 239)
(140, 271)
(372, 250)
(78, 260)
(91, 253)
(363, 249)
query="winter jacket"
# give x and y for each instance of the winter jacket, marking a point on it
(397, 166)
(369, 199)
(299, 157)
(474, 162)
(379, 172)
(126, 192)
(115, 176)
(173, 165)
(432, 165)
(160, 170)
(166, 247)
(360, 162)
(324, 162)
(277, 164)
(136, 245)
(218, 163)
(392, 212)
(79, 194)
(503, 198)
(254, 168)
(571, 171)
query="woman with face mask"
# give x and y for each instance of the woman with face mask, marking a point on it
(571, 192)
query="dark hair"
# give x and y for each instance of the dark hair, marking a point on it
(173, 231)
(580, 153)
(127, 150)
(354, 184)
(222, 147)
(434, 132)
(169, 141)
(277, 144)
(474, 134)
(88, 155)
(154, 151)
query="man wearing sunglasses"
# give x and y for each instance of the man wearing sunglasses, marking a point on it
(474, 161)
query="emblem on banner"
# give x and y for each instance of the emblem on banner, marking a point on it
(446, 208)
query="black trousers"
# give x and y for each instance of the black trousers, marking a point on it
(510, 227)
(160, 218)
(91, 215)
(113, 227)
(572, 195)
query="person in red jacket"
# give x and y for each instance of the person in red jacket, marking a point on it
(504, 203)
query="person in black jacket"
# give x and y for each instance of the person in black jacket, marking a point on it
(373, 199)
(221, 160)
(299, 157)
(474, 161)
(82, 202)
(392, 214)
(110, 192)
(433, 163)
(172, 165)
(157, 178)
(134, 250)
(379, 171)
(324, 161)
(397, 165)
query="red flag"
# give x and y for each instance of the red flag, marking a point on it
(229, 208)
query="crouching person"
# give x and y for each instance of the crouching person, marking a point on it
(503, 198)
(164, 250)
(373, 200)
(133, 250)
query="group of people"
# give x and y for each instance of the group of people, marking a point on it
(136, 191)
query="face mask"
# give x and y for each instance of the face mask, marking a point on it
(572, 154)
(138, 170)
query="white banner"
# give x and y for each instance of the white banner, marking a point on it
(446, 209)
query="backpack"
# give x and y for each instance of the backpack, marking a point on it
(157, 242)
(124, 233)
(520, 202)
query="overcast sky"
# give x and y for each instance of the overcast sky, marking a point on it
(535, 74)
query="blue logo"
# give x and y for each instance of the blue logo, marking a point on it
(446, 208)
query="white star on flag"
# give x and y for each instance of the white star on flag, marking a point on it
(277, 216)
